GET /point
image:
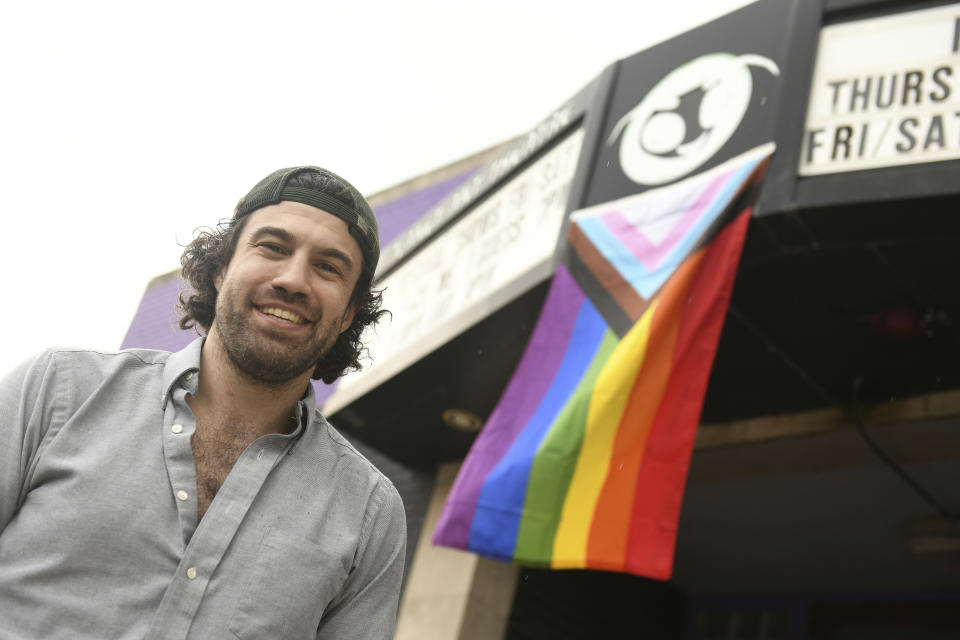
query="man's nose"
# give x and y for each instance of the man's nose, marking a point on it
(293, 275)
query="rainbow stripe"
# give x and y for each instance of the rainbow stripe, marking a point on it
(583, 462)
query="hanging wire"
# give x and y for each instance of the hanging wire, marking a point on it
(886, 459)
(826, 395)
(773, 349)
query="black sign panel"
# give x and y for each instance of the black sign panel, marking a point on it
(693, 102)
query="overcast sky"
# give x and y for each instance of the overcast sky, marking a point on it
(126, 125)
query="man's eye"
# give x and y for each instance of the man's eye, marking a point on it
(274, 248)
(329, 268)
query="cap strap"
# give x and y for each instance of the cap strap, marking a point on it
(328, 203)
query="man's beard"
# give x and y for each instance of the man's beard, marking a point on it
(269, 362)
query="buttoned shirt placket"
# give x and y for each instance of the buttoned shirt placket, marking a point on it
(205, 545)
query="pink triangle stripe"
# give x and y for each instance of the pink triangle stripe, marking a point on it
(651, 253)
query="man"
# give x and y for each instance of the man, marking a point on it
(200, 494)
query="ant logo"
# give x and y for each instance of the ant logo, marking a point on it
(686, 117)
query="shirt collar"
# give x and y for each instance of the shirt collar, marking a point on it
(188, 360)
(307, 407)
(178, 364)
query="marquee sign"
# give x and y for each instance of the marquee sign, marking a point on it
(488, 257)
(885, 92)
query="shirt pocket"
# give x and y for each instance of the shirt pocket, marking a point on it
(289, 585)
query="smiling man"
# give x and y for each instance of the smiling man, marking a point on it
(201, 494)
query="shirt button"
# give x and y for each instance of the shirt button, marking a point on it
(182, 495)
(177, 428)
(191, 573)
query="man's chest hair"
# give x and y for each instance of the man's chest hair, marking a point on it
(216, 449)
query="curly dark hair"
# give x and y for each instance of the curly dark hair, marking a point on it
(211, 251)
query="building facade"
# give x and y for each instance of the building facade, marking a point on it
(822, 497)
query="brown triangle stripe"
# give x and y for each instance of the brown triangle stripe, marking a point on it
(632, 303)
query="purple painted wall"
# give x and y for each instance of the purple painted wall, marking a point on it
(398, 214)
(154, 325)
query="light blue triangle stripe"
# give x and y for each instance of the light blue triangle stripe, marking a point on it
(646, 282)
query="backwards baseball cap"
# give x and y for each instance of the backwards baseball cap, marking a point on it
(359, 218)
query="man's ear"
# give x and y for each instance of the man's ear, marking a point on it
(218, 280)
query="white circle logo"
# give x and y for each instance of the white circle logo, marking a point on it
(686, 117)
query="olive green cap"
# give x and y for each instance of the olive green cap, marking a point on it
(360, 218)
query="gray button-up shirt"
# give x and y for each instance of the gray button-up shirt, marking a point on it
(98, 515)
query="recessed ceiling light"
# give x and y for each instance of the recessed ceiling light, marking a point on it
(462, 420)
